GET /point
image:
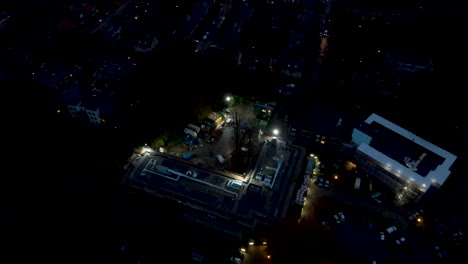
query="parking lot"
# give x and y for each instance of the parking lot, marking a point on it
(205, 152)
(359, 234)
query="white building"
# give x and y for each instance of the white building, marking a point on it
(406, 163)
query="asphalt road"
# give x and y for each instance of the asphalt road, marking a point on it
(365, 218)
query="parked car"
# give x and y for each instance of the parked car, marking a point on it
(382, 236)
(235, 260)
(342, 217)
(400, 241)
(325, 224)
(187, 155)
(321, 182)
(220, 158)
(337, 219)
(327, 183)
(440, 252)
(391, 229)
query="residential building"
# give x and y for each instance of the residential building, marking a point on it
(194, 19)
(409, 60)
(406, 163)
(238, 203)
(56, 77)
(146, 43)
(94, 107)
(287, 66)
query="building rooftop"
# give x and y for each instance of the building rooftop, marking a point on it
(406, 154)
(195, 17)
(223, 192)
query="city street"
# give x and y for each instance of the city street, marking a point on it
(365, 218)
(106, 21)
(256, 254)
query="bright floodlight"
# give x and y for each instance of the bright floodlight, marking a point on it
(275, 132)
(228, 98)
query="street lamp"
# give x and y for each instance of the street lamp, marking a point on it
(145, 149)
(229, 100)
(275, 132)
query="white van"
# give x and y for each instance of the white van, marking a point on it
(391, 229)
(220, 158)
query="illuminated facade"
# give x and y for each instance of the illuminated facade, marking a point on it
(406, 163)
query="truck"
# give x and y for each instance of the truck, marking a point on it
(187, 155)
(357, 183)
(190, 132)
(220, 158)
(194, 128)
(310, 165)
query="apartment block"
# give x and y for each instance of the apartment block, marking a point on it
(406, 163)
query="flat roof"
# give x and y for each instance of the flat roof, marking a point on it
(222, 191)
(397, 149)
